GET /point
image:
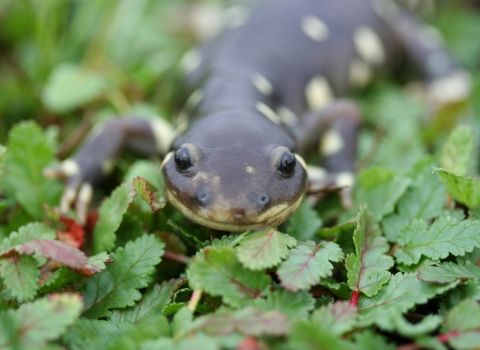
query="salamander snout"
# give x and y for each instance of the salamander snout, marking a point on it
(203, 197)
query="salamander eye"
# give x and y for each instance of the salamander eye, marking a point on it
(287, 163)
(182, 158)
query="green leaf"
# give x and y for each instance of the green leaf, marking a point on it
(264, 249)
(448, 272)
(3, 152)
(368, 340)
(367, 269)
(425, 199)
(147, 195)
(110, 216)
(27, 233)
(42, 320)
(197, 341)
(71, 86)
(21, 276)
(304, 223)
(446, 236)
(465, 190)
(309, 336)
(380, 190)
(457, 151)
(401, 293)
(339, 318)
(308, 262)
(151, 305)
(28, 154)
(219, 273)
(294, 305)
(117, 286)
(247, 321)
(395, 322)
(463, 324)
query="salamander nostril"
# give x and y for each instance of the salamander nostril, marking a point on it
(264, 199)
(202, 197)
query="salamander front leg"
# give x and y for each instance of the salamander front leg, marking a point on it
(96, 158)
(334, 129)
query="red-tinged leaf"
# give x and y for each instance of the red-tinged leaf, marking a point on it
(463, 326)
(247, 321)
(308, 262)
(34, 324)
(21, 276)
(95, 264)
(264, 249)
(110, 216)
(55, 250)
(31, 231)
(338, 317)
(367, 269)
(73, 234)
(147, 195)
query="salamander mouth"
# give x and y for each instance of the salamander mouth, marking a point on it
(226, 220)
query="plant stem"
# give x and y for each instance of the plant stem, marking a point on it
(196, 295)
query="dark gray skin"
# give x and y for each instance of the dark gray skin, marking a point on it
(236, 141)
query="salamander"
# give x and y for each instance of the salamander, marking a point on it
(266, 92)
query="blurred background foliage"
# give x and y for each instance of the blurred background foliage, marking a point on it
(64, 61)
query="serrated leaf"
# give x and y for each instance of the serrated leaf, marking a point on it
(368, 340)
(198, 341)
(27, 233)
(264, 249)
(110, 216)
(446, 236)
(247, 321)
(42, 320)
(457, 151)
(395, 322)
(448, 272)
(381, 190)
(151, 305)
(73, 234)
(308, 262)
(339, 318)
(294, 305)
(465, 190)
(304, 223)
(21, 276)
(70, 86)
(95, 264)
(309, 336)
(55, 250)
(367, 269)
(425, 199)
(29, 152)
(148, 196)
(117, 286)
(401, 293)
(463, 325)
(219, 273)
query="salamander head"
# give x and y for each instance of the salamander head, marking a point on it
(233, 179)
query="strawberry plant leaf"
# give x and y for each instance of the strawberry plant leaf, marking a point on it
(21, 276)
(306, 335)
(110, 216)
(448, 272)
(294, 305)
(457, 151)
(463, 325)
(424, 199)
(31, 231)
(401, 293)
(247, 321)
(150, 307)
(380, 190)
(45, 319)
(368, 340)
(220, 273)
(95, 264)
(117, 286)
(264, 249)
(147, 195)
(395, 322)
(29, 152)
(446, 236)
(339, 318)
(3, 152)
(367, 269)
(304, 223)
(308, 262)
(465, 190)
(197, 341)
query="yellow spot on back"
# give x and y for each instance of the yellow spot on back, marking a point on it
(163, 133)
(262, 84)
(287, 115)
(314, 28)
(368, 45)
(318, 92)
(331, 143)
(190, 61)
(345, 179)
(250, 169)
(268, 112)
